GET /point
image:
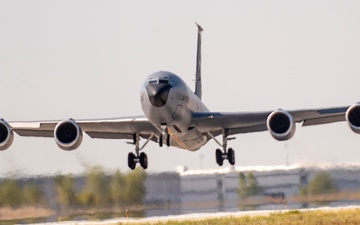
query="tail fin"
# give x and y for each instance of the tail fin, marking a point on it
(198, 90)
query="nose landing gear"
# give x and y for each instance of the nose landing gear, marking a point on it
(165, 137)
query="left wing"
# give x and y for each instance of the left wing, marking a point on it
(246, 122)
(115, 128)
(70, 131)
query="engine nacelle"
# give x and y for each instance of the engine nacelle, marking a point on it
(353, 117)
(6, 135)
(68, 135)
(281, 125)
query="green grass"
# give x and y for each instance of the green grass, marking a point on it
(295, 217)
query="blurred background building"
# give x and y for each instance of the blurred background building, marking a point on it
(194, 191)
(280, 187)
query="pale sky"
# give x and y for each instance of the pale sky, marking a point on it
(88, 59)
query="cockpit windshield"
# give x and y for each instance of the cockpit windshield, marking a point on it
(163, 81)
(153, 82)
(160, 81)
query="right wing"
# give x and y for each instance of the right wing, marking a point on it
(246, 122)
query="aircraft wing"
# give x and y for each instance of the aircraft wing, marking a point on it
(116, 128)
(246, 122)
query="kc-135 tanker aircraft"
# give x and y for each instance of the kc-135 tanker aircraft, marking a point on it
(176, 116)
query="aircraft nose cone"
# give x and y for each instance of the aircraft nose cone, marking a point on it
(158, 93)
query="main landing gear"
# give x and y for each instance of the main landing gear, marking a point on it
(138, 157)
(225, 153)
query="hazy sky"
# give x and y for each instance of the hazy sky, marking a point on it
(88, 59)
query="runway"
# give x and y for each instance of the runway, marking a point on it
(192, 217)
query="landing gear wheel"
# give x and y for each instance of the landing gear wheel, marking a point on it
(131, 161)
(231, 156)
(143, 160)
(161, 141)
(168, 140)
(219, 157)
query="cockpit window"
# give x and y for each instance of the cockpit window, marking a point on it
(163, 81)
(153, 82)
(172, 82)
(160, 81)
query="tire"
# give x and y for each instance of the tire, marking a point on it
(144, 160)
(161, 141)
(168, 140)
(231, 156)
(219, 158)
(131, 161)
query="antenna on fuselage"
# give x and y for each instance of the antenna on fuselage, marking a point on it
(198, 89)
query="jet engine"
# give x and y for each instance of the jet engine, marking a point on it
(68, 135)
(353, 117)
(6, 135)
(281, 125)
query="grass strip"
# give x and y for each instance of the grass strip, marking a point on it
(294, 217)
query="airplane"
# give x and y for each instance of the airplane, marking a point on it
(174, 115)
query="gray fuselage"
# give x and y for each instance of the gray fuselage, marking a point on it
(167, 100)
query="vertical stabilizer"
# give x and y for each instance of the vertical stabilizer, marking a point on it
(198, 89)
